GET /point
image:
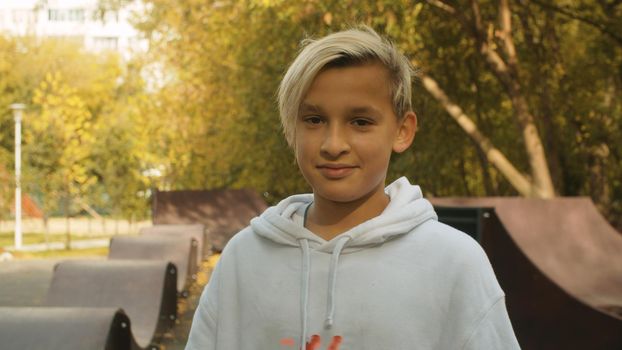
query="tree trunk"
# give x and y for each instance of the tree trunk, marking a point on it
(67, 225)
(46, 230)
(600, 189)
(493, 155)
(489, 188)
(506, 72)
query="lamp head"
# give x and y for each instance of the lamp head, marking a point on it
(17, 106)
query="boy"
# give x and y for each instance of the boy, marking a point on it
(354, 265)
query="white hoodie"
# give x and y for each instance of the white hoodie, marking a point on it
(401, 280)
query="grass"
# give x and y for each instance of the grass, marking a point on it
(7, 239)
(54, 254)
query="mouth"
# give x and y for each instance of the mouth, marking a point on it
(336, 171)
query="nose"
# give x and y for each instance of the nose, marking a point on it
(335, 142)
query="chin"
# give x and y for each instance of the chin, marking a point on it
(339, 195)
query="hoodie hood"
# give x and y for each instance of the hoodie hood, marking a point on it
(407, 209)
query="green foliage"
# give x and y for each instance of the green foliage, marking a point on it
(208, 117)
(225, 60)
(58, 142)
(81, 122)
(118, 157)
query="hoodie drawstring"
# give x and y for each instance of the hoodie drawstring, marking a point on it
(332, 281)
(332, 284)
(304, 306)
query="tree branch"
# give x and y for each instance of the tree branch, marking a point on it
(443, 6)
(589, 21)
(506, 33)
(507, 73)
(477, 19)
(494, 156)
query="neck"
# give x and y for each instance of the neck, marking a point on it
(328, 219)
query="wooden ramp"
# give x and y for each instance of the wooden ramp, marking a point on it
(66, 328)
(224, 212)
(179, 250)
(145, 290)
(559, 262)
(196, 231)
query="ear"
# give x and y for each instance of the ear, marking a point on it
(407, 128)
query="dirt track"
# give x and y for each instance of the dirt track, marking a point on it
(176, 339)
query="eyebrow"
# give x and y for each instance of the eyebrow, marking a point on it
(365, 110)
(308, 107)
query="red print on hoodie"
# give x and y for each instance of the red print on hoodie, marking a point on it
(315, 343)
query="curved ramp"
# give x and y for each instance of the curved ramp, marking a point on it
(195, 231)
(560, 265)
(52, 328)
(25, 282)
(179, 250)
(224, 212)
(145, 290)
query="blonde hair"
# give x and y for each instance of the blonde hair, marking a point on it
(346, 48)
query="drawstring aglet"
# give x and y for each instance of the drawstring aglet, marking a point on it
(328, 324)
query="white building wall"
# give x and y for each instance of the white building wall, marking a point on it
(76, 19)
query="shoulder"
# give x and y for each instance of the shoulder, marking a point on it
(240, 238)
(245, 238)
(246, 246)
(454, 252)
(447, 240)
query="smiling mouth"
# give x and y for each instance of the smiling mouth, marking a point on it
(336, 171)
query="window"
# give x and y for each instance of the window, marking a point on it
(76, 15)
(64, 15)
(55, 15)
(105, 43)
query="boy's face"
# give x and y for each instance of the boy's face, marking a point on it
(346, 131)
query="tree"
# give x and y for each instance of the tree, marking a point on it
(63, 85)
(553, 52)
(490, 41)
(59, 141)
(120, 157)
(515, 69)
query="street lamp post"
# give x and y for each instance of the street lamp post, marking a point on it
(17, 113)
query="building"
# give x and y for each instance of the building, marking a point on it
(78, 20)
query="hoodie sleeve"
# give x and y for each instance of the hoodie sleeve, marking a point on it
(493, 331)
(204, 325)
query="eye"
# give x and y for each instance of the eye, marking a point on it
(361, 122)
(312, 119)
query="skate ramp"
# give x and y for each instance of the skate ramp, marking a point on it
(196, 231)
(559, 263)
(69, 328)
(25, 282)
(179, 250)
(224, 212)
(145, 290)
